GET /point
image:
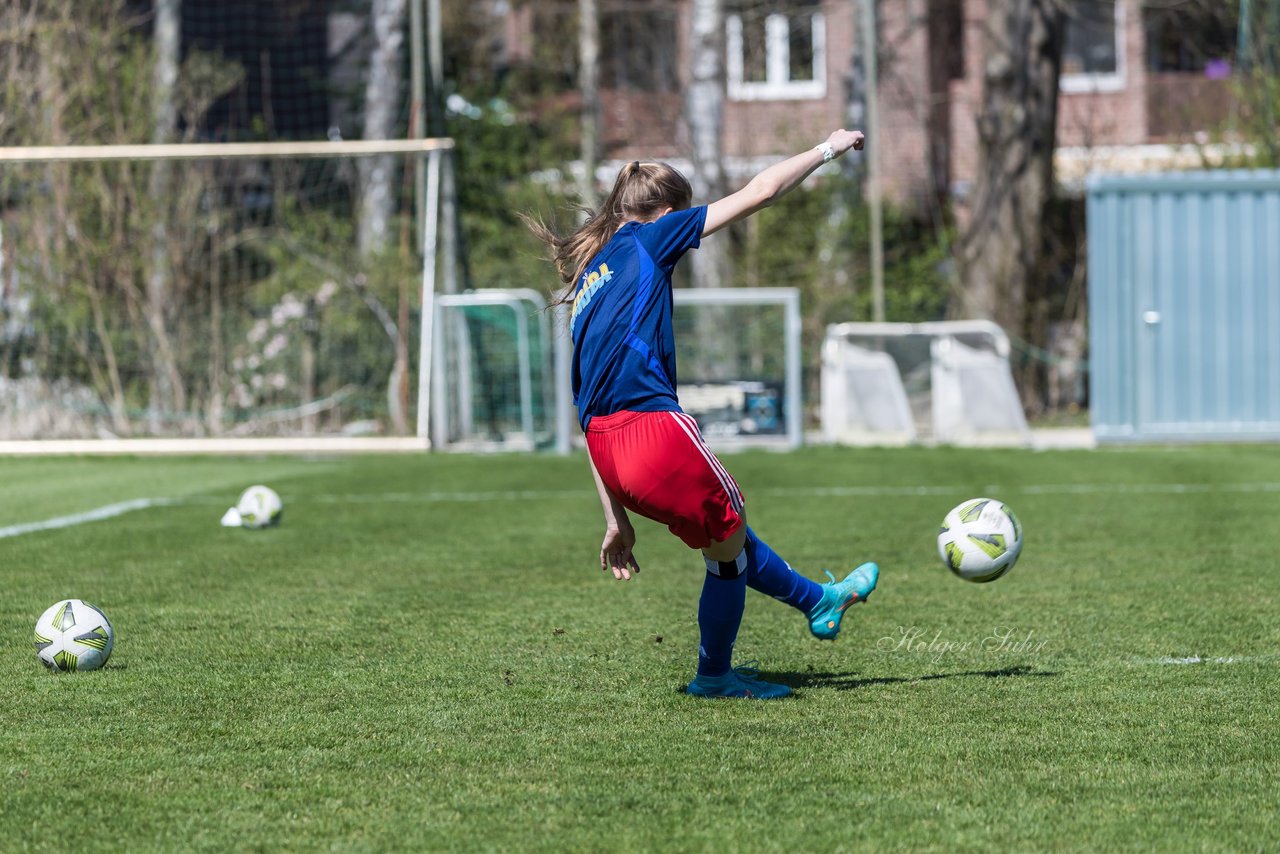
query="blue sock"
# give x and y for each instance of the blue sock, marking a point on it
(719, 615)
(770, 574)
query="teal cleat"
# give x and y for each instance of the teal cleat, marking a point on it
(824, 619)
(741, 683)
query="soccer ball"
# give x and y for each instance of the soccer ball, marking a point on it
(259, 507)
(73, 635)
(980, 539)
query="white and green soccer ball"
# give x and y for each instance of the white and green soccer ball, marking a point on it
(259, 507)
(73, 635)
(980, 539)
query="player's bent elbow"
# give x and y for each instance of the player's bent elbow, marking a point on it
(763, 193)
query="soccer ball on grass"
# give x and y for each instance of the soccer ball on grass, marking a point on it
(259, 507)
(73, 635)
(980, 539)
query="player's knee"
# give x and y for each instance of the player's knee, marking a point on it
(726, 568)
(728, 548)
(728, 558)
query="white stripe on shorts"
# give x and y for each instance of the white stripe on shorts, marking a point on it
(712, 458)
(690, 427)
(723, 473)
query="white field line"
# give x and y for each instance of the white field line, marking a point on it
(1167, 660)
(110, 510)
(104, 512)
(160, 447)
(815, 492)
(445, 497)
(1045, 489)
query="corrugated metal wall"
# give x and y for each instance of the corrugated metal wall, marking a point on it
(1184, 306)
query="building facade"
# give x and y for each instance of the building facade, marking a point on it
(1139, 83)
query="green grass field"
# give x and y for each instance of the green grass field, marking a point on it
(425, 656)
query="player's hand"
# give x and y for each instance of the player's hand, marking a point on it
(615, 552)
(843, 140)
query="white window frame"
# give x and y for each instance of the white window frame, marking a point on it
(777, 84)
(1112, 81)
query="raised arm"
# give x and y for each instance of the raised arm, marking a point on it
(775, 182)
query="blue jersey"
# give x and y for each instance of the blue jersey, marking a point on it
(624, 354)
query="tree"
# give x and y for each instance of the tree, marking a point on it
(1002, 239)
(1259, 67)
(382, 100)
(381, 109)
(167, 392)
(589, 84)
(704, 115)
(115, 256)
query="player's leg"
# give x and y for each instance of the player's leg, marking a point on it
(654, 469)
(724, 594)
(766, 572)
(715, 522)
(823, 604)
(726, 564)
(769, 574)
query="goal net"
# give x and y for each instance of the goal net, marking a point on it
(738, 352)
(220, 290)
(493, 383)
(896, 383)
(738, 356)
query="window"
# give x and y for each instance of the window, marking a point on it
(638, 50)
(946, 40)
(1199, 39)
(1092, 52)
(776, 51)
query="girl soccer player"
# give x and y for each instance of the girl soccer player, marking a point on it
(647, 456)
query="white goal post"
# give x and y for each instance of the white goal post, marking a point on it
(304, 413)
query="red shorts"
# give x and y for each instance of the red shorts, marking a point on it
(658, 466)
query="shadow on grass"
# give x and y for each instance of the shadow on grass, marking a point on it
(851, 681)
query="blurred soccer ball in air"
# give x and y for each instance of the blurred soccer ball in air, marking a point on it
(980, 539)
(73, 635)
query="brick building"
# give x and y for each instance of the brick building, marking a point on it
(1138, 82)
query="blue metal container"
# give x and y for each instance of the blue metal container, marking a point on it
(1184, 306)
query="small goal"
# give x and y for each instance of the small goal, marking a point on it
(492, 384)
(946, 382)
(738, 357)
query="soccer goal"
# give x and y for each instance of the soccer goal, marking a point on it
(219, 291)
(738, 357)
(493, 381)
(896, 383)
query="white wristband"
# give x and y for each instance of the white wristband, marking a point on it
(828, 153)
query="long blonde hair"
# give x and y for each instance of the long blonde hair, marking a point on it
(641, 191)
